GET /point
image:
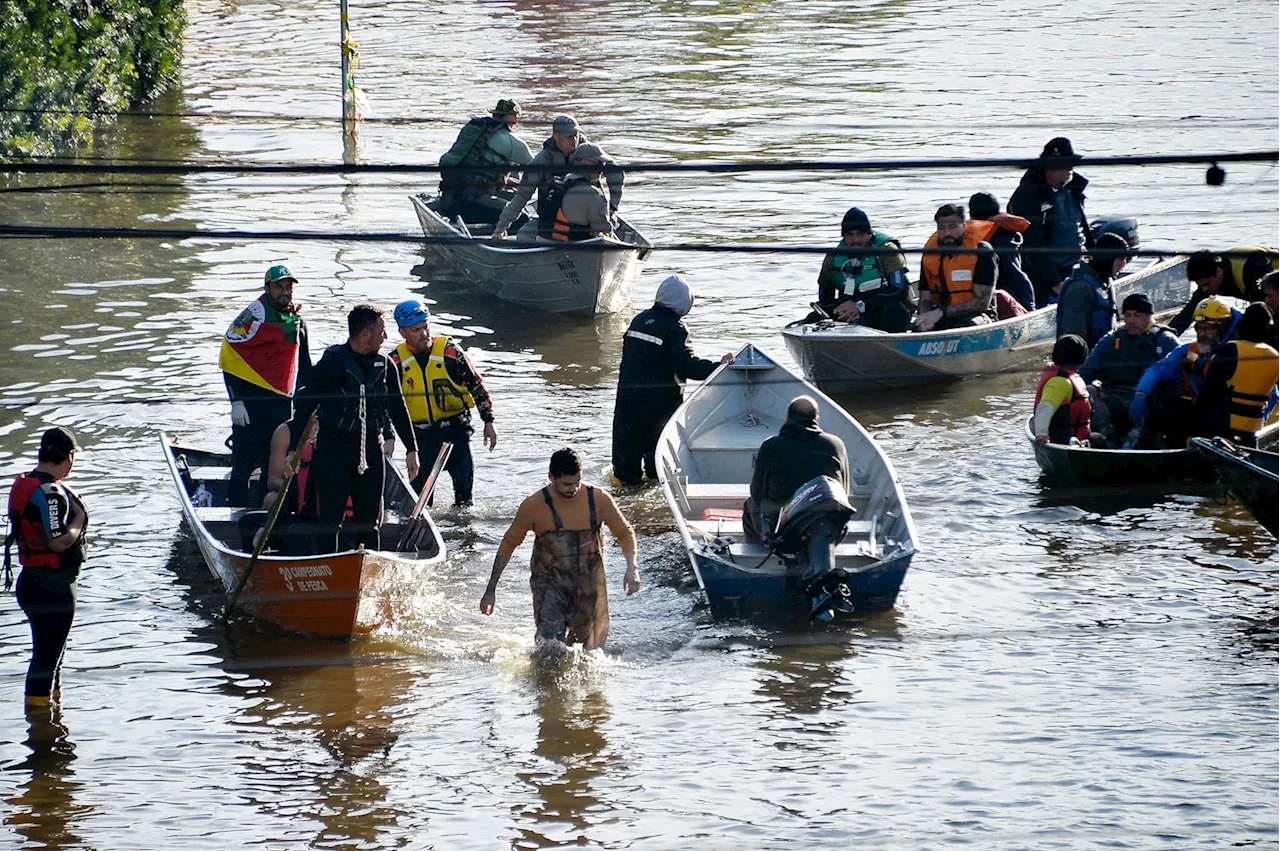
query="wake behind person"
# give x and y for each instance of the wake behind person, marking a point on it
(355, 391)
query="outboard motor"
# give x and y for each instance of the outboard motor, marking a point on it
(1127, 228)
(809, 527)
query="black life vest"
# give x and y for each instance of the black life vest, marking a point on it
(341, 412)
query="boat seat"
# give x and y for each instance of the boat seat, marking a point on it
(855, 530)
(207, 514)
(210, 474)
(718, 491)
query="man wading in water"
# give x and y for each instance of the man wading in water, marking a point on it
(570, 602)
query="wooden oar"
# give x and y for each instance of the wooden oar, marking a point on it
(294, 461)
(415, 526)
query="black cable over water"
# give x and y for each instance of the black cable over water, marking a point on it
(46, 167)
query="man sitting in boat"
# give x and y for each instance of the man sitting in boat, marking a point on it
(800, 451)
(440, 388)
(1240, 380)
(487, 146)
(1170, 386)
(356, 391)
(1051, 197)
(294, 533)
(1271, 298)
(566, 137)
(1006, 239)
(1235, 274)
(1118, 360)
(577, 205)
(861, 288)
(1086, 302)
(1062, 408)
(956, 257)
(570, 597)
(264, 358)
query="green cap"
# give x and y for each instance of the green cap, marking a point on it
(277, 273)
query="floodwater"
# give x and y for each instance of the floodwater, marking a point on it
(1063, 670)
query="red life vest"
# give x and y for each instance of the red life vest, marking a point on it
(33, 548)
(1072, 419)
(302, 507)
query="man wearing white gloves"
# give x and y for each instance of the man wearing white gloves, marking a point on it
(264, 359)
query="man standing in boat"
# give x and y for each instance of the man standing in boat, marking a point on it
(1118, 360)
(863, 288)
(1051, 198)
(1087, 302)
(656, 360)
(570, 597)
(1236, 274)
(566, 137)
(798, 453)
(356, 392)
(264, 357)
(488, 146)
(440, 387)
(958, 261)
(578, 207)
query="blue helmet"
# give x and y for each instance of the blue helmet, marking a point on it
(411, 312)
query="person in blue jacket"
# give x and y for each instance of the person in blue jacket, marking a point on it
(1117, 363)
(1086, 302)
(1169, 388)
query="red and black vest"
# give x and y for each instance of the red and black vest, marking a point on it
(1072, 419)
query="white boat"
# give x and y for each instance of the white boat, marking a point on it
(706, 456)
(845, 359)
(588, 278)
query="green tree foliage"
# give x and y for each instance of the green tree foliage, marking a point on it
(67, 64)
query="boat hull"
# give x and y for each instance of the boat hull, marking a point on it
(845, 359)
(1250, 475)
(336, 595)
(1079, 465)
(575, 281)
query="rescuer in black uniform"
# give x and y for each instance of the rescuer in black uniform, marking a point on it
(356, 391)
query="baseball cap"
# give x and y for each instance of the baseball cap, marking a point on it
(277, 273)
(411, 312)
(57, 443)
(588, 152)
(566, 124)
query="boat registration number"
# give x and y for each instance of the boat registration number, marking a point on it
(931, 348)
(308, 577)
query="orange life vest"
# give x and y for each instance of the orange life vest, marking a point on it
(1072, 419)
(949, 277)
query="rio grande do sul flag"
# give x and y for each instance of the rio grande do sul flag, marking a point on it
(261, 346)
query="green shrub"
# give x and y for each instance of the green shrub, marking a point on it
(67, 64)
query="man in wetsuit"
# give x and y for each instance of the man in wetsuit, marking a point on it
(356, 391)
(570, 601)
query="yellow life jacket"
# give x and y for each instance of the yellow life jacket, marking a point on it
(431, 395)
(1255, 374)
(1263, 256)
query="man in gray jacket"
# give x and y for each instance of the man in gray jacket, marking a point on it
(578, 207)
(566, 137)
